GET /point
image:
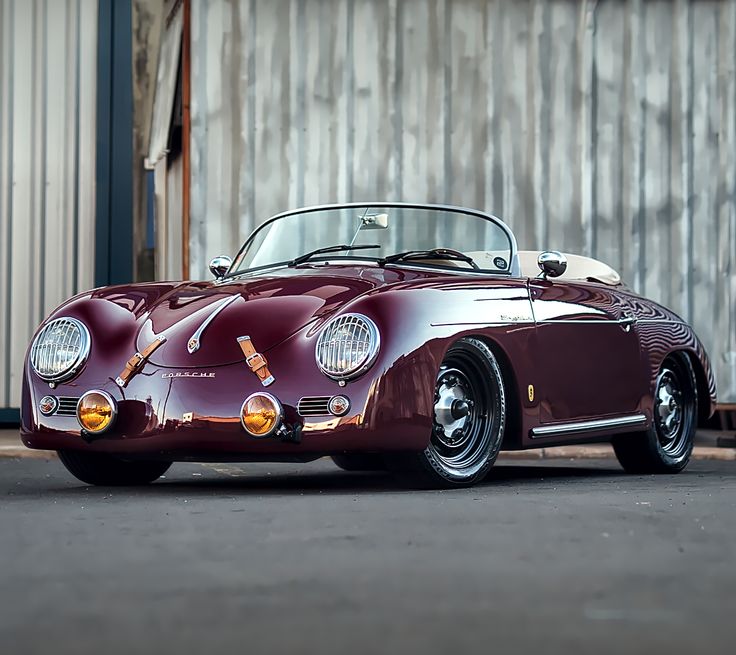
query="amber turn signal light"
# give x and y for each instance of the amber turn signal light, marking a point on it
(96, 411)
(260, 414)
(48, 405)
(338, 405)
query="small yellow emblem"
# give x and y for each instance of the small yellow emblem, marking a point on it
(530, 389)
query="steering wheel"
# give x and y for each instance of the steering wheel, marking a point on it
(442, 253)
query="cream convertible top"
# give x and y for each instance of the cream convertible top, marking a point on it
(578, 267)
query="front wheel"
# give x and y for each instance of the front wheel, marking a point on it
(105, 470)
(469, 421)
(667, 446)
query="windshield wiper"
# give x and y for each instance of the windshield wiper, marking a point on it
(320, 251)
(434, 253)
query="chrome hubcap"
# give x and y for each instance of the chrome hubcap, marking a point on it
(452, 408)
(674, 412)
(668, 407)
(460, 437)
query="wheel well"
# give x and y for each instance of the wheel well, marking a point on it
(701, 384)
(512, 432)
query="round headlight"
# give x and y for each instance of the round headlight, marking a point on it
(60, 349)
(96, 411)
(260, 414)
(347, 346)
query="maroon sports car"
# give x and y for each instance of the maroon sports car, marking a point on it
(409, 337)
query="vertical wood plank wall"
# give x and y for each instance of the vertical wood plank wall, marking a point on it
(47, 167)
(601, 128)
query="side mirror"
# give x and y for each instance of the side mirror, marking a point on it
(551, 263)
(220, 265)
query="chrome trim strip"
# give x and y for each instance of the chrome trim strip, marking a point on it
(588, 426)
(320, 405)
(583, 321)
(483, 323)
(579, 321)
(622, 321)
(67, 406)
(194, 341)
(626, 322)
(661, 320)
(313, 406)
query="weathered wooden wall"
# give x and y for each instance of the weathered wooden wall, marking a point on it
(48, 85)
(607, 128)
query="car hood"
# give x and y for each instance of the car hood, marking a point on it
(268, 309)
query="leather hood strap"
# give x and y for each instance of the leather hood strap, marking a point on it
(256, 361)
(137, 361)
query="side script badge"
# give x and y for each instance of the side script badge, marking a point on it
(188, 374)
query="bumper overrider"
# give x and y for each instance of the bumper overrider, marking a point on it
(277, 404)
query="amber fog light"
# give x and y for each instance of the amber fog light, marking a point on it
(260, 414)
(96, 411)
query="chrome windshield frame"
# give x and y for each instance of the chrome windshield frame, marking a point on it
(513, 264)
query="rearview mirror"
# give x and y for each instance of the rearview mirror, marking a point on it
(220, 265)
(374, 222)
(552, 263)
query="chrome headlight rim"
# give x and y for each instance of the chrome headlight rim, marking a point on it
(368, 360)
(79, 361)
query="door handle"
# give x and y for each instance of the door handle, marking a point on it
(627, 322)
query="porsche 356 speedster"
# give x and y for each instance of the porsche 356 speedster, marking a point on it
(414, 338)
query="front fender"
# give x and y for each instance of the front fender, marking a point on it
(419, 324)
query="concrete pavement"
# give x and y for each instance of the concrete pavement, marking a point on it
(11, 446)
(544, 557)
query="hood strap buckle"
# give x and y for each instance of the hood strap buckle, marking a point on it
(138, 361)
(256, 361)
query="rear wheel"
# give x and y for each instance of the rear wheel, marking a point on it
(105, 470)
(469, 421)
(666, 447)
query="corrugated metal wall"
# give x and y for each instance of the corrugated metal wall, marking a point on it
(606, 129)
(47, 167)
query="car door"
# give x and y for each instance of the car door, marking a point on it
(588, 355)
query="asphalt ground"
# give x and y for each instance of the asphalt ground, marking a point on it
(548, 556)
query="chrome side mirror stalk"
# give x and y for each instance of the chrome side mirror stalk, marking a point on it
(220, 265)
(552, 264)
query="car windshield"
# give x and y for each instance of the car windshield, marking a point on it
(436, 236)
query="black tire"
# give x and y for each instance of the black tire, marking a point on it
(360, 462)
(105, 470)
(666, 447)
(469, 421)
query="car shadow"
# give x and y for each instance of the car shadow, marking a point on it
(216, 480)
(514, 473)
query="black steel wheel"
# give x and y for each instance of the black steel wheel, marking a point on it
(666, 447)
(105, 470)
(469, 420)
